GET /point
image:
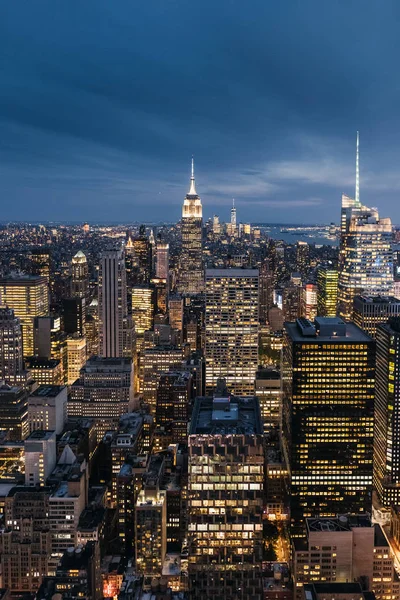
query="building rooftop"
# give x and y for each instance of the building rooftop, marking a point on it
(231, 273)
(340, 523)
(34, 362)
(39, 434)
(49, 391)
(325, 329)
(226, 416)
(377, 300)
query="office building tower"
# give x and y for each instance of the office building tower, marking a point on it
(275, 319)
(372, 311)
(151, 521)
(126, 442)
(233, 214)
(142, 251)
(25, 543)
(327, 286)
(266, 291)
(344, 549)
(291, 302)
(79, 276)
(161, 298)
(40, 263)
(142, 309)
(175, 310)
(156, 361)
(162, 260)
(11, 350)
(309, 301)
(365, 256)
(47, 408)
(45, 371)
(92, 335)
(302, 258)
(268, 392)
(76, 357)
(28, 296)
(49, 341)
(225, 497)
(74, 315)
(14, 412)
(216, 225)
(191, 272)
(104, 392)
(112, 304)
(40, 456)
(328, 379)
(232, 329)
(387, 414)
(172, 408)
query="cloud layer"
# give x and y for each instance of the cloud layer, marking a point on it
(103, 104)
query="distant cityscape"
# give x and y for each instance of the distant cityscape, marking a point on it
(201, 409)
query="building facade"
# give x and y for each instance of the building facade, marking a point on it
(232, 329)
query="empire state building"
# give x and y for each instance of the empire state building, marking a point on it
(191, 276)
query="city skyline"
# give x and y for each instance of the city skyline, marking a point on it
(109, 125)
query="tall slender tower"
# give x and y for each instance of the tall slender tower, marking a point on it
(191, 279)
(112, 304)
(233, 213)
(79, 276)
(365, 257)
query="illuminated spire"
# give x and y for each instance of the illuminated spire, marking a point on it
(357, 197)
(192, 190)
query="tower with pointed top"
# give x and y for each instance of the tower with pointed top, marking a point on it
(233, 213)
(191, 272)
(365, 256)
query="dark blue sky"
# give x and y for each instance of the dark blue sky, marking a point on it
(102, 104)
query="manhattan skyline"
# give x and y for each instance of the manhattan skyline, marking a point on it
(102, 110)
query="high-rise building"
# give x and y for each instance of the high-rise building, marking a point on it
(11, 351)
(104, 391)
(372, 311)
(14, 411)
(302, 258)
(113, 309)
(233, 214)
(268, 392)
(76, 357)
(162, 260)
(47, 408)
(387, 414)
(40, 263)
(365, 256)
(327, 285)
(328, 378)
(142, 253)
(79, 276)
(172, 408)
(309, 301)
(266, 291)
(28, 296)
(46, 371)
(142, 309)
(155, 361)
(191, 272)
(291, 302)
(40, 456)
(225, 498)
(232, 329)
(74, 315)
(216, 225)
(175, 310)
(344, 549)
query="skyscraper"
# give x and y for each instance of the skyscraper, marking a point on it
(28, 296)
(309, 301)
(112, 304)
(372, 311)
(162, 265)
(327, 284)
(79, 276)
(142, 250)
(327, 417)
(225, 498)
(365, 257)
(191, 273)
(11, 352)
(232, 329)
(302, 258)
(387, 414)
